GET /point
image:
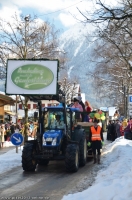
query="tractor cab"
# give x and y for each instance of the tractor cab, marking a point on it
(54, 128)
(54, 118)
(58, 118)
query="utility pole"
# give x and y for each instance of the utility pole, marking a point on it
(16, 122)
(125, 102)
(127, 94)
(26, 24)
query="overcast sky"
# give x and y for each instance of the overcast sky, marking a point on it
(62, 13)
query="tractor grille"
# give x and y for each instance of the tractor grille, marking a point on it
(48, 143)
(50, 150)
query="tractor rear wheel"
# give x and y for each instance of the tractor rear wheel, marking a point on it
(72, 158)
(83, 151)
(28, 161)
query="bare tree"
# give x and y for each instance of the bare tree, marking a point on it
(105, 13)
(69, 88)
(28, 38)
(113, 51)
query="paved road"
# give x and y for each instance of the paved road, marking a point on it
(50, 182)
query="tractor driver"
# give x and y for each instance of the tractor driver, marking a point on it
(58, 123)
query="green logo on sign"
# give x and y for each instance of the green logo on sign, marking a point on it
(32, 77)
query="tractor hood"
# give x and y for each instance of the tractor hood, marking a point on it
(52, 138)
(52, 134)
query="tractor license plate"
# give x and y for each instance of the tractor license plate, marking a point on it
(48, 139)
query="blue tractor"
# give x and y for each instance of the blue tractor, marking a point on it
(58, 138)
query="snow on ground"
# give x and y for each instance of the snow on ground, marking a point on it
(10, 160)
(113, 181)
(8, 144)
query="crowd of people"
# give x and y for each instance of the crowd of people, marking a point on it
(117, 128)
(85, 108)
(7, 129)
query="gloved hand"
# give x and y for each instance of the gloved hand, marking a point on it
(102, 142)
(89, 144)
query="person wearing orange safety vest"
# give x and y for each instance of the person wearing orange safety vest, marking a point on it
(96, 138)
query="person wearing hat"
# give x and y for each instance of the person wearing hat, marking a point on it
(118, 128)
(72, 103)
(77, 105)
(96, 138)
(83, 106)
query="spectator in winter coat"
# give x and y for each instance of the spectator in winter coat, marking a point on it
(128, 130)
(77, 105)
(88, 109)
(124, 124)
(118, 128)
(109, 131)
(83, 106)
(2, 134)
(12, 128)
(113, 131)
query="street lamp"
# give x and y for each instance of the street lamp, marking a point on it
(26, 18)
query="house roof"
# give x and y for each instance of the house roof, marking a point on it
(5, 100)
(13, 114)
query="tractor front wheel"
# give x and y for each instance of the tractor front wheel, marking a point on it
(28, 161)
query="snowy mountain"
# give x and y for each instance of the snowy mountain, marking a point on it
(77, 44)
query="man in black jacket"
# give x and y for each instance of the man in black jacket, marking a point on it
(83, 106)
(12, 128)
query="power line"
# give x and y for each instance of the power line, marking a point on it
(60, 10)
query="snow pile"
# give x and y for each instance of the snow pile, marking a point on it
(113, 182)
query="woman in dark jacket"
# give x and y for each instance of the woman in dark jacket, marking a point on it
(128, 131)
(109, 131)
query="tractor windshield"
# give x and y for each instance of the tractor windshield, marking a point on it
(54, 120)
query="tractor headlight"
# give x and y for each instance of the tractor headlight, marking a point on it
(54, 141)
(44, 141)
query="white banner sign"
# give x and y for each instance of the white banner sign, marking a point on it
(32, 77)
